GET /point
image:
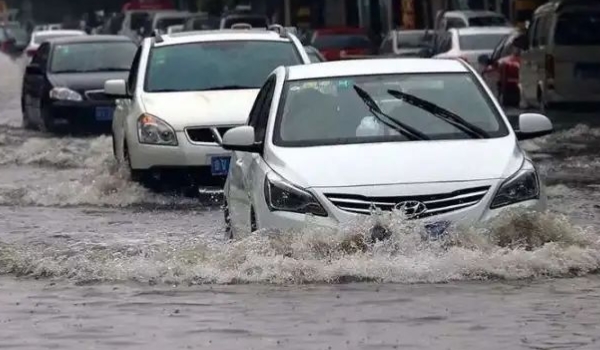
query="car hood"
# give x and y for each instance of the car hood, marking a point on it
(397, 162)
(199, 108)
(84, 81)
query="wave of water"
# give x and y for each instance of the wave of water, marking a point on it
(516, 246)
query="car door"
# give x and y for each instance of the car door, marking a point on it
(125, 106)
(244, 164)
(37, 83)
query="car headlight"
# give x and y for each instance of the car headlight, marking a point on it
(523, 186)
(284, 196)
(155, 131)
(65, 94)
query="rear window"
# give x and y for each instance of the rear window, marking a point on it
(342, 41)
(488, 21)
(578, 29)
(477, 42)
(410, 40)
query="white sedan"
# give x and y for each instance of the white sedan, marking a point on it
(37, 38)
(334, 141)
(184, 91)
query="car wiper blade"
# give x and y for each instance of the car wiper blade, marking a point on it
(229, 87)
(442, 113)
(392, 123)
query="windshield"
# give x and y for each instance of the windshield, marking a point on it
(164, 23)
(488, 21)
(578, 29)
(329, 111)
(254, 21)
(40, 38)
(342, 41)
(92, 57)
(410, 40)
(474, 42)
(216, 64)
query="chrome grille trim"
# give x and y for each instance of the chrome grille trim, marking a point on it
(436, 203)
(216, 133)
(96, 95)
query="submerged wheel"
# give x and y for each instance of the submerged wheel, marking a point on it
(135, 175)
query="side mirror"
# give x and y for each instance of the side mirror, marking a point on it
(34, 69)
(484, 60)
(241, 139)
(116, 88)
(521, 42)
(532, 125)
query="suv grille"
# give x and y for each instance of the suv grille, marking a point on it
(206, 134)
(435, 203)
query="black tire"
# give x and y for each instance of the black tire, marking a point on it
(48, 124)
(26, 122)
(226, 216)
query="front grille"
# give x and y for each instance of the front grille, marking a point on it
(435, 204)
(97, 95)
(206, 134)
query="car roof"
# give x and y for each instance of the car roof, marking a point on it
(61, 31)
(473, 13)
(484, 30)
(90, 39)
(219, 35)
(378, 66)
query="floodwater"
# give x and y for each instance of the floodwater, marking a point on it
(89, 260)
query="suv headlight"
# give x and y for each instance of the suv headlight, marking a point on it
(522, 186)
(155, 131)
(284, 196)
(65, 94)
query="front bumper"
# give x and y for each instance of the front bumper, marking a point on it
(473, 215)
(82, 114)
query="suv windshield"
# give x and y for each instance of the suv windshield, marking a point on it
(578, 29)
(488, 21)
(330, 111)
(216, 64)
(342, 41)
(474, 42)
(92, 57)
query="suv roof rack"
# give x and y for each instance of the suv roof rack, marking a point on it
(279, 29)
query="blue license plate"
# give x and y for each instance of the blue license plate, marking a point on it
(104, 113)
(437, 229)
(219, 166)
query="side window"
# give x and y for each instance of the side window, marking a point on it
(262, 115)
(499, 51)
(533, 33)
(133, 72)
(257, 106)
(444, 43)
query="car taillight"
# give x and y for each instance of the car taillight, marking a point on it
(549, 66)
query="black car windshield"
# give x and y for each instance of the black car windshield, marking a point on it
(330, 111)
(40, 38)
(578, 29)
(164, 23)
(475, 42)
(341, 41)
(410, 40)
(92, 57)
(216, 65)
(488, 21)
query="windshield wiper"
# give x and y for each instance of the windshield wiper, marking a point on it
(229, 87)
(442, 113)
(392, 123)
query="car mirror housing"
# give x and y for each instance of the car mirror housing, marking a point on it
(241, 139)
(116, 88)
(532, 125)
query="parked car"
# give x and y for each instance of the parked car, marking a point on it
(342, 43)
(314, 54)
(470, 43)
(184, 91)
(62, 85)
(320, 138)
(470, 18)
(501, 72)
(561, 55)
(405, 43)
(37, 38)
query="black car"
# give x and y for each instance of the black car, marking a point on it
(64, 83)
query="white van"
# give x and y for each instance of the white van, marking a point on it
(560, 62)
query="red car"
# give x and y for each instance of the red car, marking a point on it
(501, 71)
(342, 43)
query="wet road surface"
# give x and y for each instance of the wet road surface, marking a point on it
(91, 260)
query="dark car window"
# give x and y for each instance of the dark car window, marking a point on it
(578, 29)
(488, 21)
(92, 57)
(342, 41)
(254, 21)
(41, 55)
(216, 64)
(410, 40)
(138, 20)
(474, 42)
(164, 23)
